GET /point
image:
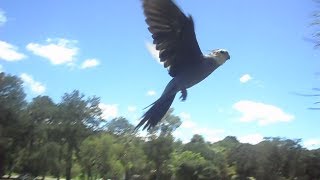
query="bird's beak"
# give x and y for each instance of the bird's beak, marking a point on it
(228, 57)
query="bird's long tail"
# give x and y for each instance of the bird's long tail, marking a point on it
(156, 112)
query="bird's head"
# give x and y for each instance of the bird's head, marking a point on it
(219, 55)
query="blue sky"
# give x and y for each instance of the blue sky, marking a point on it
(103, 48)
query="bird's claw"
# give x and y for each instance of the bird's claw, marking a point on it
(183, 96)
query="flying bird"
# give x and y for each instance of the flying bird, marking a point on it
(174, 37)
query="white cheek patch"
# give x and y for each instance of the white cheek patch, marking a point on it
(220, 60)
(223, 50)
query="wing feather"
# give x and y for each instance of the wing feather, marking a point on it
(173, 34)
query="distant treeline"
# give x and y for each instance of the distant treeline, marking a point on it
(69, 140)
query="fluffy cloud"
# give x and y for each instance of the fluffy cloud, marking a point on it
(57, 51)
(132, 113)
(189, 127)
(9, 52)
(132, 108)
(3, 18)
(108, 110)
(186, 120)
(212, 135)
(263, 113)
(188, 124)
(35, 86)
(312, 144)
(89, 63)
(151, 93)
(245, 78)
(152, 50)
(251, 138)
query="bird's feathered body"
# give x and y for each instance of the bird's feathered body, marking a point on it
(174, 37)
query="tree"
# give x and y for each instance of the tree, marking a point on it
(12, 103)
(161, 144)
(197, 138)
(244, 158)
(216, 166)
(227, 143)
(100, 155)
(120, 126)
(185, 165)
(279, 157)
(33, 158)
(132, 156)
(167, 125)
(78, 118)
(198, 145)
(158, 151)
(311, 160)
(88, 154)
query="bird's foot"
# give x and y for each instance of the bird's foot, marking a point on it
(184, 93)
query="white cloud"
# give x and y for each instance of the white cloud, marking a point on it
(9, 52)
(186, 120)
(184, 132)
(132, 108)
(108, 110)
(207, 131)
(188, 128)
(185, 116)
(35, 86)
(151, 93)
(89, 63)
(245, 78)
(182, 135)
(251, 138)
(152, 50)
(263, 113)
(312, 144)
(132, 114)
(188, 124)
(58, 51)
(212, 135)
(3, 18)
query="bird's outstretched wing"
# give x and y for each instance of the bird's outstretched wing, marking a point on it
(173, 34)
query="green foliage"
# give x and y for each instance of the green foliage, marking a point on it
(198, 145)
(102, 156)
(68, 139)
(167, 125)
(179, 160)
(158, 150)
(120, 126)
(12, 103)
(78, 118)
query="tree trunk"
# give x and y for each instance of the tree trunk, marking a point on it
(126, 176)
(60, 162)
(158, 171)
(69, 163)
(89, 174)
(2, 155)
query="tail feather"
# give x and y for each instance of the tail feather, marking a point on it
(156, 112)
